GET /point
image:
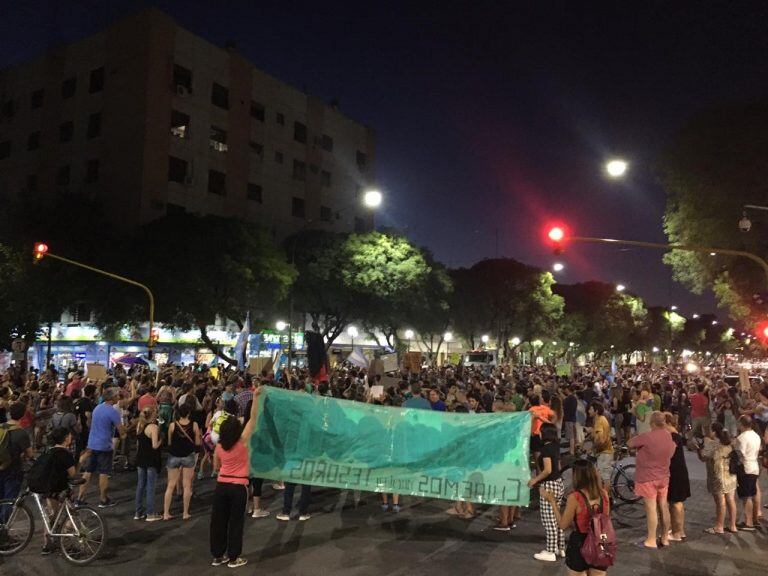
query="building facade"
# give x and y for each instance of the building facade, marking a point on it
(149, 119)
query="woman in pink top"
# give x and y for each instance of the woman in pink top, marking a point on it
(231, 494)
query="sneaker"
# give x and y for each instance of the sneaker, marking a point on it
(218, 561)
(139, 516)
(153, 518)
(279, 486)
(396, 508)
(79, 503)
(259, 513)
(200, 475)
(108, 503)
(502, 528)
(47, 549)
(237, 562)
(384, 507)
(304, 517)
(562, 553)
(546, 556)
(283, 517)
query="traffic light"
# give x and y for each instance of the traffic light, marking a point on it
(761, 331)
(556, 236)
(40, 251)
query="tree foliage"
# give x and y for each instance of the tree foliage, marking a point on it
(715, 165)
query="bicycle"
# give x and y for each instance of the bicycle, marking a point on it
(623, 479)
(80, 531)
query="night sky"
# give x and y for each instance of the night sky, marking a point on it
(491, 119)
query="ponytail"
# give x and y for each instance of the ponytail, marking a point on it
(722, 433)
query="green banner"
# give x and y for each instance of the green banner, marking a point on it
(322, 441)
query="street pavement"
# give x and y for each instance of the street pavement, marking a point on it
(344, 539)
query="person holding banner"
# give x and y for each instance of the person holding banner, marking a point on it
(231, 493)
(549, 479)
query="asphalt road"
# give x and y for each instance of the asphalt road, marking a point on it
(349, 540)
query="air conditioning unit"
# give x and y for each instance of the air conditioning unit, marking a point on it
(182, 90)
(189, 180)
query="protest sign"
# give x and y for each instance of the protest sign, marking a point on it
(325, 441)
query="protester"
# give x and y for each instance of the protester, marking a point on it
(148, 463)
(588, 493)
(601, 441)
(231, 493)
(715, 451)
(549, 479)
(183, 441)
(19, 449)
(679, 485)
(654, 452)
(748, 444)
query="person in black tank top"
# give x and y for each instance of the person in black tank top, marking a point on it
(184, 440)
(147, 464)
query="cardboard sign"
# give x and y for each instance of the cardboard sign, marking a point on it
(95, 371)
(563, 370)
(376, 391)
(744, 380)
(256, 365)
(413, 362)
(388, 382)
(389, 363)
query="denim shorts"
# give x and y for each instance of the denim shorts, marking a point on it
(100, 461)
(182, 461)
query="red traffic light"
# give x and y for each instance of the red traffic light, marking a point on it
(40, 250)
(556, 234)
(761, 331)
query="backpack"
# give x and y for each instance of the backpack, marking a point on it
(40, 475)
(6, 455)
(735, 462)
(599, 547)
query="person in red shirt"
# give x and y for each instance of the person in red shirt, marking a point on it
(147, 399)
(655, 449)
(76, 383)
(700, 416)
(540, 413)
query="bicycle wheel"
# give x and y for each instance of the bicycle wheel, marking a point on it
(88, 535)
(17, 530)
(624, 483)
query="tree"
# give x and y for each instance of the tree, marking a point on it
(715, 165)
(428, 309)
(507, 298)
(201, 267)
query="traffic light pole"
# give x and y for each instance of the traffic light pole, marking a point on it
(685, 247)
(150, 340)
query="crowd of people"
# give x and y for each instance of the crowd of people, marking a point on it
(195, 423)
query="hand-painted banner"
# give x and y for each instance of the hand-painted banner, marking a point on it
(323, 441)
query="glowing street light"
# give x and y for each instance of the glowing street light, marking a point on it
(448, 336)
(515, 341)
(616, 168)
(558, 267)
(372, 198)
(655, 349)
(673, 308)
(484, 338)
(280, 325)
(408, 334)
(620, 287)
(352, 332)
(714, 322)
(695, 316)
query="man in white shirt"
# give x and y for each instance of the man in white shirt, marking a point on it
(748, 443)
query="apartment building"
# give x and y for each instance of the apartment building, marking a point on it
(150, 119)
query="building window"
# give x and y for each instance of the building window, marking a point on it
(326, 143)
(218, 139)
(360, 225)
(300, 132)
(65, 131)
(36, 100)
(177, 170)
(254, 192)
(31, 187)
(8, 109)
(68, 88)
(361, 159)
(217, 183)
(182, 80)
(96, 81)
(314, 168)
(325, 178)
(257, 111)
(299, 170)
(297, 207)
(220, 96)
(279, 157)
(5, 149)
(92, 171)
(33, 141)
(325, 213)
(62, 176)
(179, 124)
(94, 125)
(256, 148)
(280, 118)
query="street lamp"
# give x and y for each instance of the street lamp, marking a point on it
(372, 198)
(558, 267)
(409, 336)
(515, 341)
(484, 338)
(714, 322)
(616, 168)
(280, 325)
(352, 333)
(673, 308)
(695, 316)
(620, 287)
